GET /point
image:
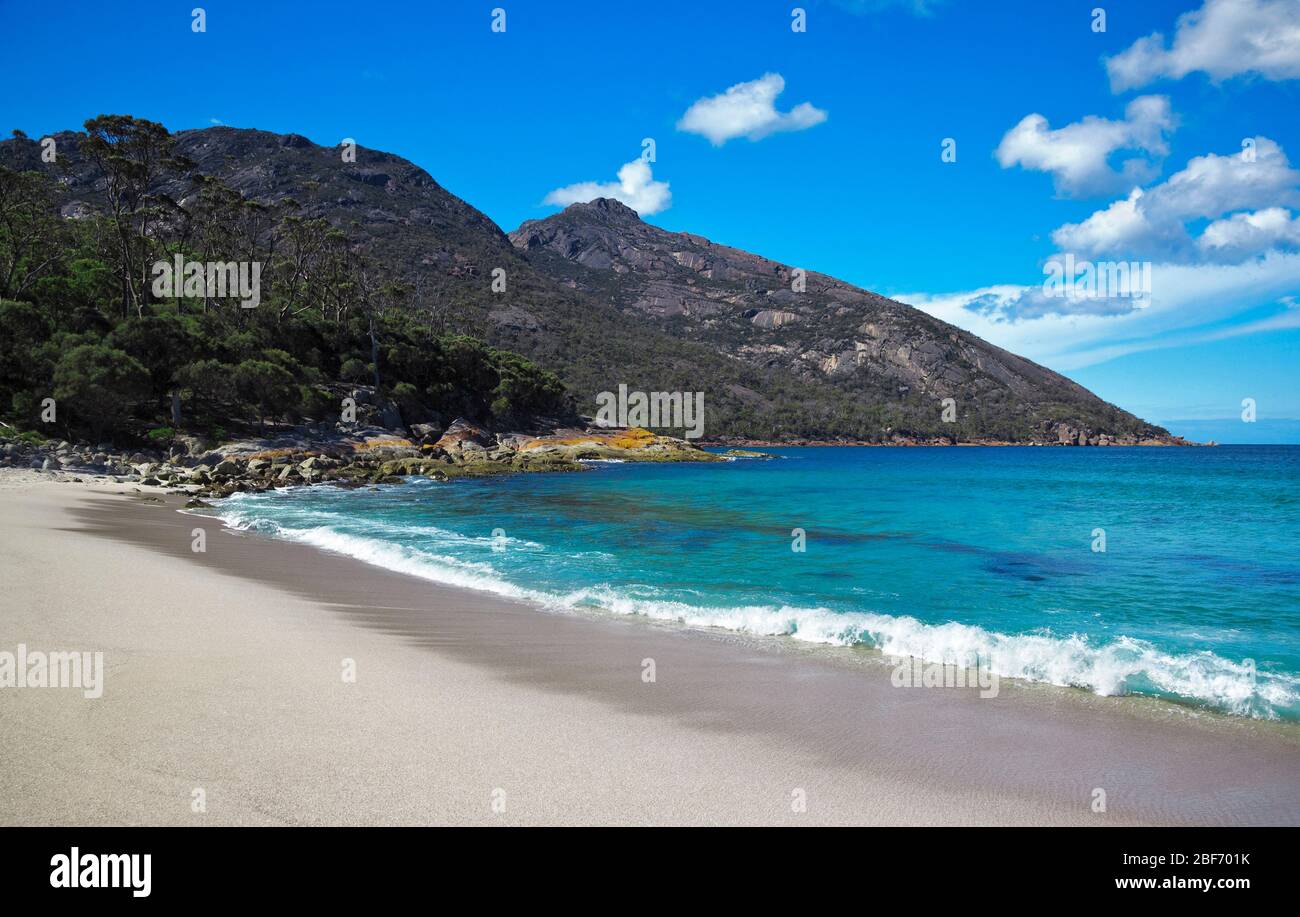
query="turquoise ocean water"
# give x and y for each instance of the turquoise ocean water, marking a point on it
(937, 553)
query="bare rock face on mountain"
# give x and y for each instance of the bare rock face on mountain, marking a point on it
(604, 299)
(806, 325)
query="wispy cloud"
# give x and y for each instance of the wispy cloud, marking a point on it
(748, 110)
(1189, 303)
(635, 187)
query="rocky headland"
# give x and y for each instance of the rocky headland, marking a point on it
(345, 454)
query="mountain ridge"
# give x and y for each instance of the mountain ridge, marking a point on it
(810, 324)
(603, 298)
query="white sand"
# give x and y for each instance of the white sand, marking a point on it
(232, 685)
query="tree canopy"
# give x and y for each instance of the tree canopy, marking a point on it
(80, 321)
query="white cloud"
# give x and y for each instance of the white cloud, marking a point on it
(1121, 227)
(635, 187)
(1244, 234)
(747, 110)
(1223, 38)
(1078, 154)
(1212, 185)
(1152, 223)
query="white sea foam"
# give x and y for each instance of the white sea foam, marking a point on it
(1121, 666)
(240, 514)
(449, 571)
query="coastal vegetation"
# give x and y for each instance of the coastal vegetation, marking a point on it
(81, 322)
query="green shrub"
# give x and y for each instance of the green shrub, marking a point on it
(99, 385)
(269, 387)
(353, 370)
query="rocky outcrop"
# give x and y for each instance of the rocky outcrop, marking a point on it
(345, 455)
(463, 435)
(1067, 435)
(632, 445)
(772, 318)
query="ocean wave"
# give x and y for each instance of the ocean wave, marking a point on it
(447, 570)
(1120, 666)
(241, 514)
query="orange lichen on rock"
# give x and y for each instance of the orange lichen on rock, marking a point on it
(396, 443)
(632, 438)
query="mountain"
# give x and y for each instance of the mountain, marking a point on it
(604, 299)
(814, 328)
(414, 231)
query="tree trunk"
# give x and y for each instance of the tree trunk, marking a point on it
(374, 352)
(176, 409)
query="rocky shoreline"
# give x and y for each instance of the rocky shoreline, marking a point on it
(347, 455)
(356, 455)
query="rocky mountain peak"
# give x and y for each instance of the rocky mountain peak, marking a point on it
(604, 208)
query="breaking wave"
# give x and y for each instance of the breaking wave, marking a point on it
(1120, 666)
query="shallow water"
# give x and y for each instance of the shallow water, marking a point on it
(949, 554)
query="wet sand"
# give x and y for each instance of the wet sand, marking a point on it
(224, 673)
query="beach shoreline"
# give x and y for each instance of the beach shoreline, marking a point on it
(223, 674)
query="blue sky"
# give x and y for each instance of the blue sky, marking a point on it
(851, 183)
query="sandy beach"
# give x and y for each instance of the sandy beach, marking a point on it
(224, 674)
